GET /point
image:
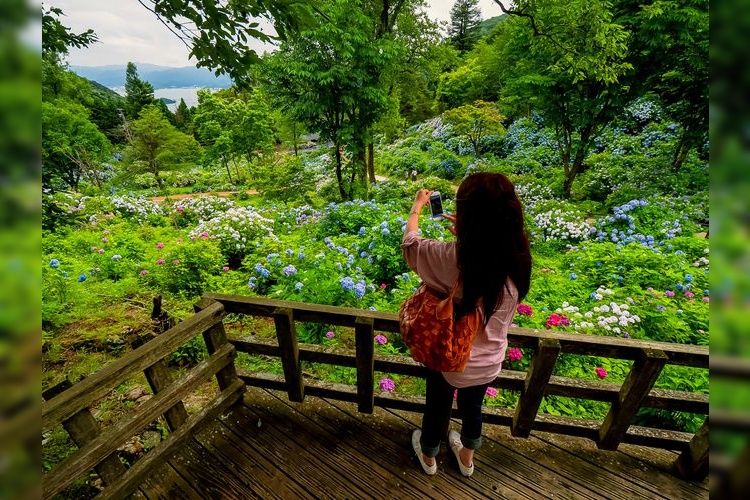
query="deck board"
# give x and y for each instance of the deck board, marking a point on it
(268, 447)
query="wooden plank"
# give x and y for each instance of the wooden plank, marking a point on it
(287, 335)
(215, 337)
(107, 442)
(159, 377)
(383, 467)
(693, 462)
(280, 435)
(629, 468)
(611, 347)
(83, 428)
(638, 383)
(540, 370)
(352, 455)
(305, 312)
(97, 385)
(364, 339)
(508, 379)
(159, 454)
(729, 367)
(166, 484)
(248, 464)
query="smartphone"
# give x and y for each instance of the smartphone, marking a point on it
(436, 205)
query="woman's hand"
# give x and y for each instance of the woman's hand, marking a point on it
(452, 219)
(422, 198)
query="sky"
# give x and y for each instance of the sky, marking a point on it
(129, 32)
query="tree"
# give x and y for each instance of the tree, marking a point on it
(223, 36)
(156, 145)
(183, 117)
(72, 146)
(475, 121)
(329, 78)
(57, 38)
(464, 28)
(568, 60)
(233, 125)
(138, 93)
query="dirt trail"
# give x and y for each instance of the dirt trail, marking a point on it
(195, 195)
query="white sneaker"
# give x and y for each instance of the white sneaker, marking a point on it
(430, 470)
(454, 441)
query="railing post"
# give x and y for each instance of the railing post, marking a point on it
(158, 378)
(215, 337)
(83, 428)
(693, 462)
(640, 380)
(365, 348)
(534, 387)
(283, 318)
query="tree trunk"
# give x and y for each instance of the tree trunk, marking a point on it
(339, 175)
(294, 137)
(229, 172)
(680, 154)
(371, 162)
(159, 182)
(577, 166)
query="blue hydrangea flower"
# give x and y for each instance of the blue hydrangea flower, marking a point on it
(116, 256)
(385, 232)
(81, 278)
(300, 256)
(290, 270)
(573, 276)
(689, 278)
(252, 282)
(359, 290)
(362, 231)
(298, 286)
(54, 263)
(405, 277)
(347, 284)
(363, 255)
(271, 256)
(679, 287)
(289, 252)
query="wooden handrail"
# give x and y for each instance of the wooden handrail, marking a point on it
(626, 399)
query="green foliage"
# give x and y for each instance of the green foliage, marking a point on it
(138, 93)
(157, 145)
(466, 17)
(284, 179)
(475, 121)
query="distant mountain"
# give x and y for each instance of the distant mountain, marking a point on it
(158, 76)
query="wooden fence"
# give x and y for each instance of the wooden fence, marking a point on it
(637, 391)
(97, 449)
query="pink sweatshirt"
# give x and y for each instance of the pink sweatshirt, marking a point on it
(436, 263)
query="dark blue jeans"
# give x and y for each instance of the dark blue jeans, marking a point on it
(436, 419)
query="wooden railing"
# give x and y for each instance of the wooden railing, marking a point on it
(637, 391)
(69, 405)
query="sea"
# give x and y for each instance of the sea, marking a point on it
(190, 94)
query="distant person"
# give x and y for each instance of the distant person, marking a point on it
(491, 258)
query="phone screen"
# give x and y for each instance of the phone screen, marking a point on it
(436, 204)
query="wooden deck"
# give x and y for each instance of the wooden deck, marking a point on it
(268, 447)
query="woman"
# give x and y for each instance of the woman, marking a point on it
(491, 258)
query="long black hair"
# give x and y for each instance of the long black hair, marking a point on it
(492, 241)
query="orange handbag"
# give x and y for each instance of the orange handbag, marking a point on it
(432, 335)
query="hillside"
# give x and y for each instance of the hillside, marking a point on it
(158, 76)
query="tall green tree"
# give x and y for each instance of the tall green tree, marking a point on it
(138, 93)
(233, 126)
(569, 61)
(329, 78)
(183, 117)
(466, 17)
(72, 146)
(156, 145)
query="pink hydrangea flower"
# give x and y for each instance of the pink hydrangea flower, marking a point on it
(382, 286)
(557, 320)
(705, 299)
(491, 392)
(689, 294)
(104, 239)
(515, 354)
(160, 245)
(600, 372)
(524, 309)
(225, 268)
(381, 339)
(204, 235)
(669, 293)
(101, 250)
(387, 385)
(144, 272)
(94, 249)
(160, 261)
(330, 335)
(175, 262)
